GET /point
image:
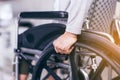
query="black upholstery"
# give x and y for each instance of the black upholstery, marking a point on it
(38, 37)
(45, 15)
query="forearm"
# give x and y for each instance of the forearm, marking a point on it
(77, 13)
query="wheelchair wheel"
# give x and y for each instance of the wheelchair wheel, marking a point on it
(50, 64)
(88, 47)
(98, 57)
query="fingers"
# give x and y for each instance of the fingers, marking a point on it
(64, 43)
(68, 51)
(63, 50)
(62, 47)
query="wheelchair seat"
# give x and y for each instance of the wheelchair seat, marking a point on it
(39, 36)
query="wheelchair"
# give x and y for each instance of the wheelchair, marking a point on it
(95, 56)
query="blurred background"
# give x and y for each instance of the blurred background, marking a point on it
(9, 11)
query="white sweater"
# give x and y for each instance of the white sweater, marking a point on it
(77, 10)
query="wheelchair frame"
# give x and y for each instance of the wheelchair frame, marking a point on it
(95, 35)
(34, 15)
(98, 42)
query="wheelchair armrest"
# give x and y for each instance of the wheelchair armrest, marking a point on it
(44, 15)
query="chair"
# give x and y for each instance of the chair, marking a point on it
(81, 63)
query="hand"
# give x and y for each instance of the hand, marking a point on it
(64, 43)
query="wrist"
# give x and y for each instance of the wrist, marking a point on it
(71, 34)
